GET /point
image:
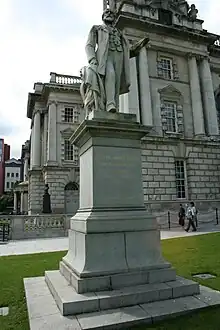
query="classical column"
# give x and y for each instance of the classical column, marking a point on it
(52, 134)
(15, 202)
(26, 157)
(36, 152)
(144, 83)
(197, 108)
(208, 98)
(22, 203)
(45, 136)
(133, 96)
(32, 147)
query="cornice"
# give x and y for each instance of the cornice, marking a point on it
(126, 19)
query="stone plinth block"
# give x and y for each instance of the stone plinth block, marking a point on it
(112, 233)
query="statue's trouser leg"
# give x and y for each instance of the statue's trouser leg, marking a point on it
(118, 71)
(112, 79)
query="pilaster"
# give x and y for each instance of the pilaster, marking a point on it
(197, 107)
(144, 86)
(36, 150)
(52, 134)
(45, 138)
(208, 97)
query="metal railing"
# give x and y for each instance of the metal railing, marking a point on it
(170, 219)
(4, 232)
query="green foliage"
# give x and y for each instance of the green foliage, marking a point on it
(6, 201)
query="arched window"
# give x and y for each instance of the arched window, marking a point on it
(72, 186)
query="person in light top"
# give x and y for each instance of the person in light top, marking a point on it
(191, 214)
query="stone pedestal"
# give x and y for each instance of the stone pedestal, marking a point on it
(114, 262)
(112, 213)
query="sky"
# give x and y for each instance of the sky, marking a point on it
(42, 36)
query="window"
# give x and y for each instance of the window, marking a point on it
(68, 150)
(8, 175)
(7, 185)
(76, 115)
(76, 154)
(170, 113)
(165, 68)
(68, 115)
(71, 115)
(12, 175)
(16, 175)
(180, 179)
(165, 16)
(12, 185)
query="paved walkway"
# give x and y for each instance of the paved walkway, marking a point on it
(61, 244)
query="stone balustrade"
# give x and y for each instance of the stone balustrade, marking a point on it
(64, 79)
(34, 226)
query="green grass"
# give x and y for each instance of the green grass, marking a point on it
(189, 256)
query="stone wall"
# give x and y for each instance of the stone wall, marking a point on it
(57, 178)
(202, 180)
(35, 192)
(203, 172)
(158, 170)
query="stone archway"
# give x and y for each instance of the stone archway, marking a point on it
(71, 197)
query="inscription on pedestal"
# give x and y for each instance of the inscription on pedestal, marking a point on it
(119, 176)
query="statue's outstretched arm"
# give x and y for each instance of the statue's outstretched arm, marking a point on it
(135, 49)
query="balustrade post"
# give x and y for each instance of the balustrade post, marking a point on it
(216, 215)
(169, 223)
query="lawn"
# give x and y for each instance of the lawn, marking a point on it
(188, 255)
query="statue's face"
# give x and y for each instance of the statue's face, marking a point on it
(108, 16)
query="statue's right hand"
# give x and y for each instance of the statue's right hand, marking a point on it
(93, 61)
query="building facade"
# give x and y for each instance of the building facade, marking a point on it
(55, 110)
(175, 90)
(12, 173)
(4, 156)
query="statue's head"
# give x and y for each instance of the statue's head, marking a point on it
(108, 16)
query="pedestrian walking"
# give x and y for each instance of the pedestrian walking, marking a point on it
(191, 215)
(182, 215)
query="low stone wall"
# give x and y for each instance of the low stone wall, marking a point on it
(37, 226)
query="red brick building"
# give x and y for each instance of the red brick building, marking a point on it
(4, 155)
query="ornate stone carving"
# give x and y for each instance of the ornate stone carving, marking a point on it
(192, 13)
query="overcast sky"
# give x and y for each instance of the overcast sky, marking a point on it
(40, 36)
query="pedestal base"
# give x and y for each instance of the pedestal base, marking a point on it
(119, 309)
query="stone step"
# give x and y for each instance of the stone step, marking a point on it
(127, 317)
(118, 281)
(72, 303)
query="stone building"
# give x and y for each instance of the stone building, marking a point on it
(175, 90)
(55, 110)
(12, 173)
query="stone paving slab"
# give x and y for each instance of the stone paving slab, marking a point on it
(45, 315)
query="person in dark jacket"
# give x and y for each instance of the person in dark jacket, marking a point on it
(182, 215)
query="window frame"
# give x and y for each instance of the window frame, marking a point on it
(174, 118)
(67, 159)
(164, 70)
(68, 117)
(184, 179)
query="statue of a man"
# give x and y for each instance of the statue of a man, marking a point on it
(108, 52)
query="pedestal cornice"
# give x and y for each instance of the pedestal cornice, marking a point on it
(112, 125)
